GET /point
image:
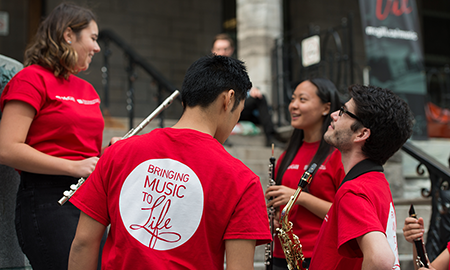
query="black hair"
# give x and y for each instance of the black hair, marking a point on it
(209, 76)
(327, 92)
(388, 117)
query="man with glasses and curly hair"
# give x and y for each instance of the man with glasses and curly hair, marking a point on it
(359, 231)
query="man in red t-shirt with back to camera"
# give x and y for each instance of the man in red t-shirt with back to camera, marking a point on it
(175, 198)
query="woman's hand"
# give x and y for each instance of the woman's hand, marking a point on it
(114, 140)
(413, 229)
(280, 195)
(83, 168)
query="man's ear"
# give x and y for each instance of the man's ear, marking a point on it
(363, 134)
(69, 35)
(230, 95)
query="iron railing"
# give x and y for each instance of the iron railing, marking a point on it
(134, 59)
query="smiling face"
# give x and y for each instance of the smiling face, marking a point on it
(306, 108)
(85, 44)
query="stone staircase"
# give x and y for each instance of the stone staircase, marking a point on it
(253, 152)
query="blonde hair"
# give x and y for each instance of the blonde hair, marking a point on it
(49, 48)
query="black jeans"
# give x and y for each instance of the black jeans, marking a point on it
(44, 228)
(281, 264)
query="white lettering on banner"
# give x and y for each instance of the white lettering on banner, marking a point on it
(396, 33)
(79, 101)
(391, 229)
(161, 203)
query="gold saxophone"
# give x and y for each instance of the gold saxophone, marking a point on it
(289, 241)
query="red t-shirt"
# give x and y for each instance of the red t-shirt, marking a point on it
(326, 181)
(448, 249)
(172, 197)
(362, 205)
(68, 121)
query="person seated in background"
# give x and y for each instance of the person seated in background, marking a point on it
(256, 109)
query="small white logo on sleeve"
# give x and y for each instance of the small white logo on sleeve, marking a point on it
(391, 235)
(161, 203)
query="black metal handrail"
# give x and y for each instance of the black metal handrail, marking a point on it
(134, 59)
(439, 228)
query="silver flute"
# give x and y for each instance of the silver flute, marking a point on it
(268, 252)
(74, 187)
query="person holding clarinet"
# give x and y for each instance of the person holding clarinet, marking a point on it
(311, 105)
(413, 232)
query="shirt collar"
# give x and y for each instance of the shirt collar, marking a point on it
(360, 168)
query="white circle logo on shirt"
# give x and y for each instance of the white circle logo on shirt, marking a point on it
(161, 203)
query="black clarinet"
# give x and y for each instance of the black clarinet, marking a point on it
(422, 257)
(271, 213)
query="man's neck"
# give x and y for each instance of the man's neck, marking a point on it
(200, 119)
(351, 158)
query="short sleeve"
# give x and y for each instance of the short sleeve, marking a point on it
(22, 88)
(356, 216)
(91, 197)
(249, 220)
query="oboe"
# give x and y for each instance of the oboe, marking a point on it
(271, 213)
(74, 187)
(422, 257)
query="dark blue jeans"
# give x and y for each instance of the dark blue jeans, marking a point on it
(44, 228)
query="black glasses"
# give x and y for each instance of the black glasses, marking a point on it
(343, 110)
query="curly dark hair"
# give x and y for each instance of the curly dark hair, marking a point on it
(388, 117)
(49, 49)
